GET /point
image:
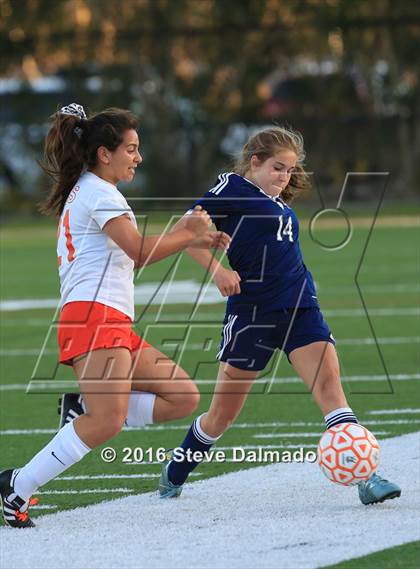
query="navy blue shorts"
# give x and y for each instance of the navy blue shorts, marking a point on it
(249, 338)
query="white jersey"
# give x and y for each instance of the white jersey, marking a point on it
(91, 266)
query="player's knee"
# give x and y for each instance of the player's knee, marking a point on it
(111, 425)
(114, 426)
(222, 420)
(187, 401)
(192, 400)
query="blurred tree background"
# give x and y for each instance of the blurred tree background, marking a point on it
(202, 74)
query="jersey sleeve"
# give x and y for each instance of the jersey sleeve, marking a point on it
(219, 201)
(108, 205)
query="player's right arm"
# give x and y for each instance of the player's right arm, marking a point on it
(146, 250)
(219, 207)
(226, 280)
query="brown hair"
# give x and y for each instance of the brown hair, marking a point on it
(71, 146)
(265, 144)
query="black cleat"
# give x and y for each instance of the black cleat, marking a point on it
(69, 408)
(12, 504)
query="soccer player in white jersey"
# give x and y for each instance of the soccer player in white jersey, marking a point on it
(123, 379)
(272, 300)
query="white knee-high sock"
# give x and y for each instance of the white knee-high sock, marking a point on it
(341, 415)
(140, 409)
(64, 450)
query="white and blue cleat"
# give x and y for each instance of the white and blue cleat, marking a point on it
(377, 489)
(166, 488)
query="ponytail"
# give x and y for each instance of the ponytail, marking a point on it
(71, 147)
(63, 160)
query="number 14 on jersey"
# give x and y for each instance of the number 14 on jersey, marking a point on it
(285, 229)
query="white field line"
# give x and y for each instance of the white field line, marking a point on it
(365, 288)
(183, 291)
(275, 424)
(256, 447)
(28, 432)
(228, 521)
(294, 435)
(393, 412)
(385, 269)
(19, 352)
(27, 322)
(91, 491)
(24, 304)
(59, 386)
(112, 476)
(356, 312)
(183, 317)
(44, 507)
(270, 425)
(211, 296)
(343, 312)
(303, 435)
(382, 340)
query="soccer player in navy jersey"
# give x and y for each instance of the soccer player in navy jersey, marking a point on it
(272, 300)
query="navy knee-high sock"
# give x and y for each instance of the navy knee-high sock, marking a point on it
(196, 440)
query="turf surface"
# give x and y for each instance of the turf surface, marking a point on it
(388, 276)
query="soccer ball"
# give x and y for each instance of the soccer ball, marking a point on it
(348, 454)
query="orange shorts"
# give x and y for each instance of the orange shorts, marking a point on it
(86, 326)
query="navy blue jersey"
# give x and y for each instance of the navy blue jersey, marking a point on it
(264, 249)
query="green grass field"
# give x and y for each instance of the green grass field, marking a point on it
(388, 278)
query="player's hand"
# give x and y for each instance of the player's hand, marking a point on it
(212, 240)
(198, 221)
(227, 281)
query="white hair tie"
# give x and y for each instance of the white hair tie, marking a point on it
(74, 110)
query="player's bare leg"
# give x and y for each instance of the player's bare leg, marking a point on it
(232, 388)
(177, 396)
(160, 391)
(317, 364)
(231, 391)
(105, 381)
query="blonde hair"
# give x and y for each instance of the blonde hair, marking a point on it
(265, 144)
